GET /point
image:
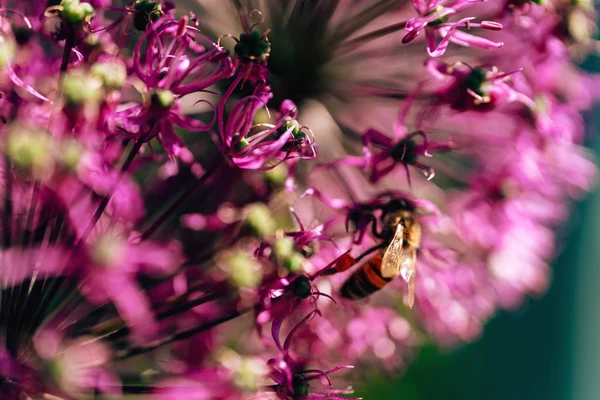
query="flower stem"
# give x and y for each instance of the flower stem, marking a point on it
(185, 334)
(362, 39)
(179, 201)
(64, 65)
(102, 206)
(122, 331)
(8, 207)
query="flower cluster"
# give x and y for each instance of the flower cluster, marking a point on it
(233, 202)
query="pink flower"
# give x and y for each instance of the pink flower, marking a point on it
(468, 88)
(169, 74)
(434, 19)
(261, 146)
(111, 264)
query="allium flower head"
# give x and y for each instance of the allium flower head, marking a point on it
(261, 199)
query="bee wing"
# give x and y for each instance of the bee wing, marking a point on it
(408, 271)
(392, 258)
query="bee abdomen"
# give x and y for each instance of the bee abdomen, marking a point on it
(365, 281)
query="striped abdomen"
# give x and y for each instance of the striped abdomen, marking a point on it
(366, 280)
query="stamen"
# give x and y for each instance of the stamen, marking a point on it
(182, 26)
(410, 36)
(491, 25)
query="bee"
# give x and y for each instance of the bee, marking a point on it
(401, 237)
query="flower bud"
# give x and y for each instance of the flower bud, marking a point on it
(277, 176)
(70, 155)
(240, 144)
(475, 80)
(252, 47)
(241, 268)
(162, 99)
(75, 12)
(248, 372)
(290, 124)
(30, 150)
(92, 40)
(148, 11)
(294, 263)
(112, 74)
(260, 221)
(107, 251)
(80, 89)
(300, 386)
(283, 248)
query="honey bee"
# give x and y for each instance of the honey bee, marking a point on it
(401, 237)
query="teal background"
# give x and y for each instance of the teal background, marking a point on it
(548, 349)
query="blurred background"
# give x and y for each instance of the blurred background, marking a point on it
(548, 349)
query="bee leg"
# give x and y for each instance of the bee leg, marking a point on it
(411, 291)
(378, 235)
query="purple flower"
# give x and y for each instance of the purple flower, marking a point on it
(383, 154)
(261, 146)
(174, 64)
(434, 19)
(468, 88)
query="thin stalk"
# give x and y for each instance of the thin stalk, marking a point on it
(358, 41)
(122, 330)
(104, 203)
(69, 44)
(178, 202)
(185, 334)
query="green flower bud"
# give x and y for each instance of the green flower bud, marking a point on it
(112, 74)
(241, 269)
(163, 99)
(70, 155)
(260, 221)
(80, 89)
(283, 248)
(475, 81)
(248, 372)
(30, 150)
(441, 20)
(108, 251)
(242, 144)
(75, 12)
(252, 47)
(294, 263)
(148, 12)
(92, 40)
(277, 176)
(294, 126)
(300, 386)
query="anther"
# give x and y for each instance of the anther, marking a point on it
(410, 36)
(491, 25)
(182, 25)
